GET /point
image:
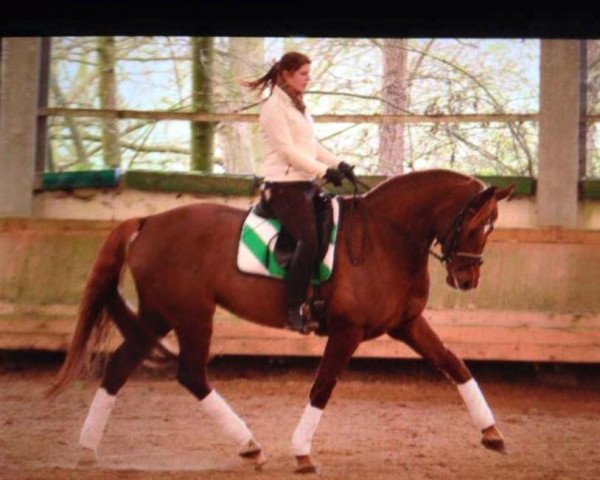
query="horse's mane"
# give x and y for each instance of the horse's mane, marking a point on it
(425, 178)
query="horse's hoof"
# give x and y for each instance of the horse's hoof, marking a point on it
(87, 458)
(492, 440)
(258, 460)
(305, 465)
(252, 453)
(495, 444)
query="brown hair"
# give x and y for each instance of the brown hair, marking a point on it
(290, 62)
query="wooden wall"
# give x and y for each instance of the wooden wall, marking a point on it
(539, 299)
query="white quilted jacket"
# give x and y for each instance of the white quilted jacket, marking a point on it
(292, 152)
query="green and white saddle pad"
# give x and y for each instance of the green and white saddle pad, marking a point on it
(258, 239)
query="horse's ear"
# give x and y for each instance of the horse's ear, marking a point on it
(484, 204)
(482, 198)
(505, 192)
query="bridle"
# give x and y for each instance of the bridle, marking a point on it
(448, 254)
(455, 232)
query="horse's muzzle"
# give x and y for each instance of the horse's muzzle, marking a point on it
(464, 280)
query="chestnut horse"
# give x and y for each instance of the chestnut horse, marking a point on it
(183, 262)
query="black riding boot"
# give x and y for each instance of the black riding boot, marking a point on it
(298, 279)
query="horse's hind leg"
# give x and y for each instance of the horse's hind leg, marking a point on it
(121, 364)
(194, 345)
(421, 338)
(140, 333)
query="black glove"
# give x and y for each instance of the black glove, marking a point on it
(347, 171)
(334, 176)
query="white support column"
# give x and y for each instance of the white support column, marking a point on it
(558, 133)
(18, 115)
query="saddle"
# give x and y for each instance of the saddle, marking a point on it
(285, 244)
(266, 249)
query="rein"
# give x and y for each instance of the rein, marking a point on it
(444, 258)
(354, 259)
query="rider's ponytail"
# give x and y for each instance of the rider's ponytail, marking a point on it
(269, 79)
(290, 62)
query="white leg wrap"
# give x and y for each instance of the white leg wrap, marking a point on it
(302, 439)
(95, 422)
(478, 408)
(221, 413)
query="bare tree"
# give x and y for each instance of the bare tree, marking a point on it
(108, 100)
(236, 138)
(394, 93)
(202, 101)
(350, 76)
(592, 167)
(81, 155)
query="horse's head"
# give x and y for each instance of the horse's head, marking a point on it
(463, 243)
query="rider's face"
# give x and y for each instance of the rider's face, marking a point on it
(299, 79)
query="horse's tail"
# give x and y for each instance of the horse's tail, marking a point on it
(100, 296)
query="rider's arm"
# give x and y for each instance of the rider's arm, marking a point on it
(325, 156)
(278, 136)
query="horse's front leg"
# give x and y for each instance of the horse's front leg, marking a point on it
(340, 347)
(421, 338)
